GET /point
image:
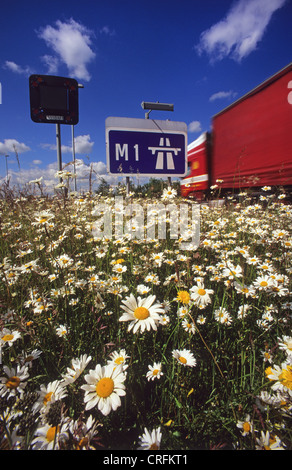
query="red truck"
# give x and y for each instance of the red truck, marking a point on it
(250, 145)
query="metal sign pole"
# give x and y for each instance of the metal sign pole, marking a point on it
(59, 154)
(74, 160)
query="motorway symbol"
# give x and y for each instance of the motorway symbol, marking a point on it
(160, 152)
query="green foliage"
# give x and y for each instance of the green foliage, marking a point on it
(55, 274)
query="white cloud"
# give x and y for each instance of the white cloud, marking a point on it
(222, 95)
(83, 145)
(50, 180)
(51, 62)
(13, 67)
(37, 162)
(106, 30)
(11, 145)
(239, 33)
(194, 126)
(71, 42)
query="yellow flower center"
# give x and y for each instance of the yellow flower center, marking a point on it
(182, 360)
(104, 387)
(201, 291)
(28, 358)
(183, 296)
(246, 426)
(82, 443)
(13, 382)
(154, 446)
(155, 372)
(119, 360)
(7, 337)
(286, 377)
(51, 433)
(272, 441)
(263, 283)
(141, 313)
(47, 398)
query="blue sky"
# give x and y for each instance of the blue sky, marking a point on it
(198, 55)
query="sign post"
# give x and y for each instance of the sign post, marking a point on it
(58, 139)
(54, 100)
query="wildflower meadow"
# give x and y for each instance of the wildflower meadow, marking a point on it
(119, 341)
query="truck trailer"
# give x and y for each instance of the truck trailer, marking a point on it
(249, 145)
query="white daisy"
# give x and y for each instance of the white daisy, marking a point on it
(232, 272)
(157, 258)
(14, 381)
(184, 357)
(182, 311)
(201, 319)
(27, 358)
(200, 295)
(119, 268)
(141, 313)
(242, 311)
(42, 218)
(222, 316)
(164, 320)
(50, 437)
(61, 330)
(188, 325)
(141, 289)
(48, 394)
(105, 386)
(246, 425)
(119, 358)
(285, 343)
(263, 282)
(78, 366)
(63, 261)
(268, 441)
(154, 371)
(83, 433)
(150, 440)
(9, 336)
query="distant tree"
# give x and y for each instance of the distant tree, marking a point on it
(104, 187)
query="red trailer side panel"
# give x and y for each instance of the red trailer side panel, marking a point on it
(252, 138)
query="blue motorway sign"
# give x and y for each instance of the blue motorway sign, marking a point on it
(146, 147)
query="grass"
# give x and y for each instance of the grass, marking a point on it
(61, 297)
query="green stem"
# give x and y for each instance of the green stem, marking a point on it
(206, 346)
